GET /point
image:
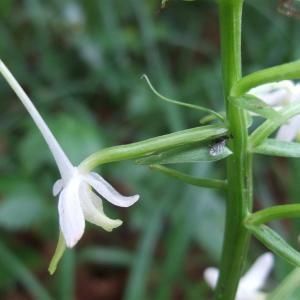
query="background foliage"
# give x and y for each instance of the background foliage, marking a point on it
(81, 62)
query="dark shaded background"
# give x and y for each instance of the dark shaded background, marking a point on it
(81, 63)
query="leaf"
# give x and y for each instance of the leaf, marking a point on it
(202, 182)
(21, 207)
(209, 215)
(137, 281)
(106, 255)
(287, 287)
(255, 105)
(187, 155)
(211, 117)
(276, 243)
(65, 277)
(276, 147)
(20, 272)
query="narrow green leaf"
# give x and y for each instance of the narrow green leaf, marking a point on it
(140, 270)
(276, 243)
(66, 276)
(287, 286)
(203, 182)
(188, 155)
(211, 117)
(275, 147)
(22, 274)
(255, 105)
(106, 255)
(178, 242)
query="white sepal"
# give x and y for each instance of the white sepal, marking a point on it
(71, 218)
(93, 211)
(103, 188)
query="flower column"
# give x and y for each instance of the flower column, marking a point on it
(239, 173)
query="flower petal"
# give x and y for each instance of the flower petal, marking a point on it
(102, 187)
(71, 219)
(251, 296)
(288, 132)
(211, 276)
(93, 210)
(57, 187)
(275, 93)
(255, 278)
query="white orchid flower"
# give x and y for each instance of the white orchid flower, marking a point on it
(78, 190)
(277, 95)
(251, 283)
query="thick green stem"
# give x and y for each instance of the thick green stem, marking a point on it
(239, 168)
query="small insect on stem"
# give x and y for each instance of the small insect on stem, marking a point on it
(218, 148)
(290, 8)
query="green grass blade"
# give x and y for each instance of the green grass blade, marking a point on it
(137, 282)
(65, 285)
(19, 271)
(287, 286)
(106, 255)
(275, 147)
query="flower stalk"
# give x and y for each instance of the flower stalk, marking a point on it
(62, 161)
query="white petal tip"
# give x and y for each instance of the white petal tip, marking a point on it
(211, 276)
(268, 259)
(57, 187)
(107, 191)
(128, 201)
(71, 241)
(134, 198)
(112, 225)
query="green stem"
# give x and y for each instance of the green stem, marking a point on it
(202, 182)
(282, 72)
(185, 104)
(274, 213)
(153, 145)
(239, 168)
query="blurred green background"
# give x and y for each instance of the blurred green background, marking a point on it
(81, 62)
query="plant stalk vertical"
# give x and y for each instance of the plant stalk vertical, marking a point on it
(239, 164)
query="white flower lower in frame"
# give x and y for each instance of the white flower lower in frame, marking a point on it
(252, 282)
(78, 190)
(277, 95)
